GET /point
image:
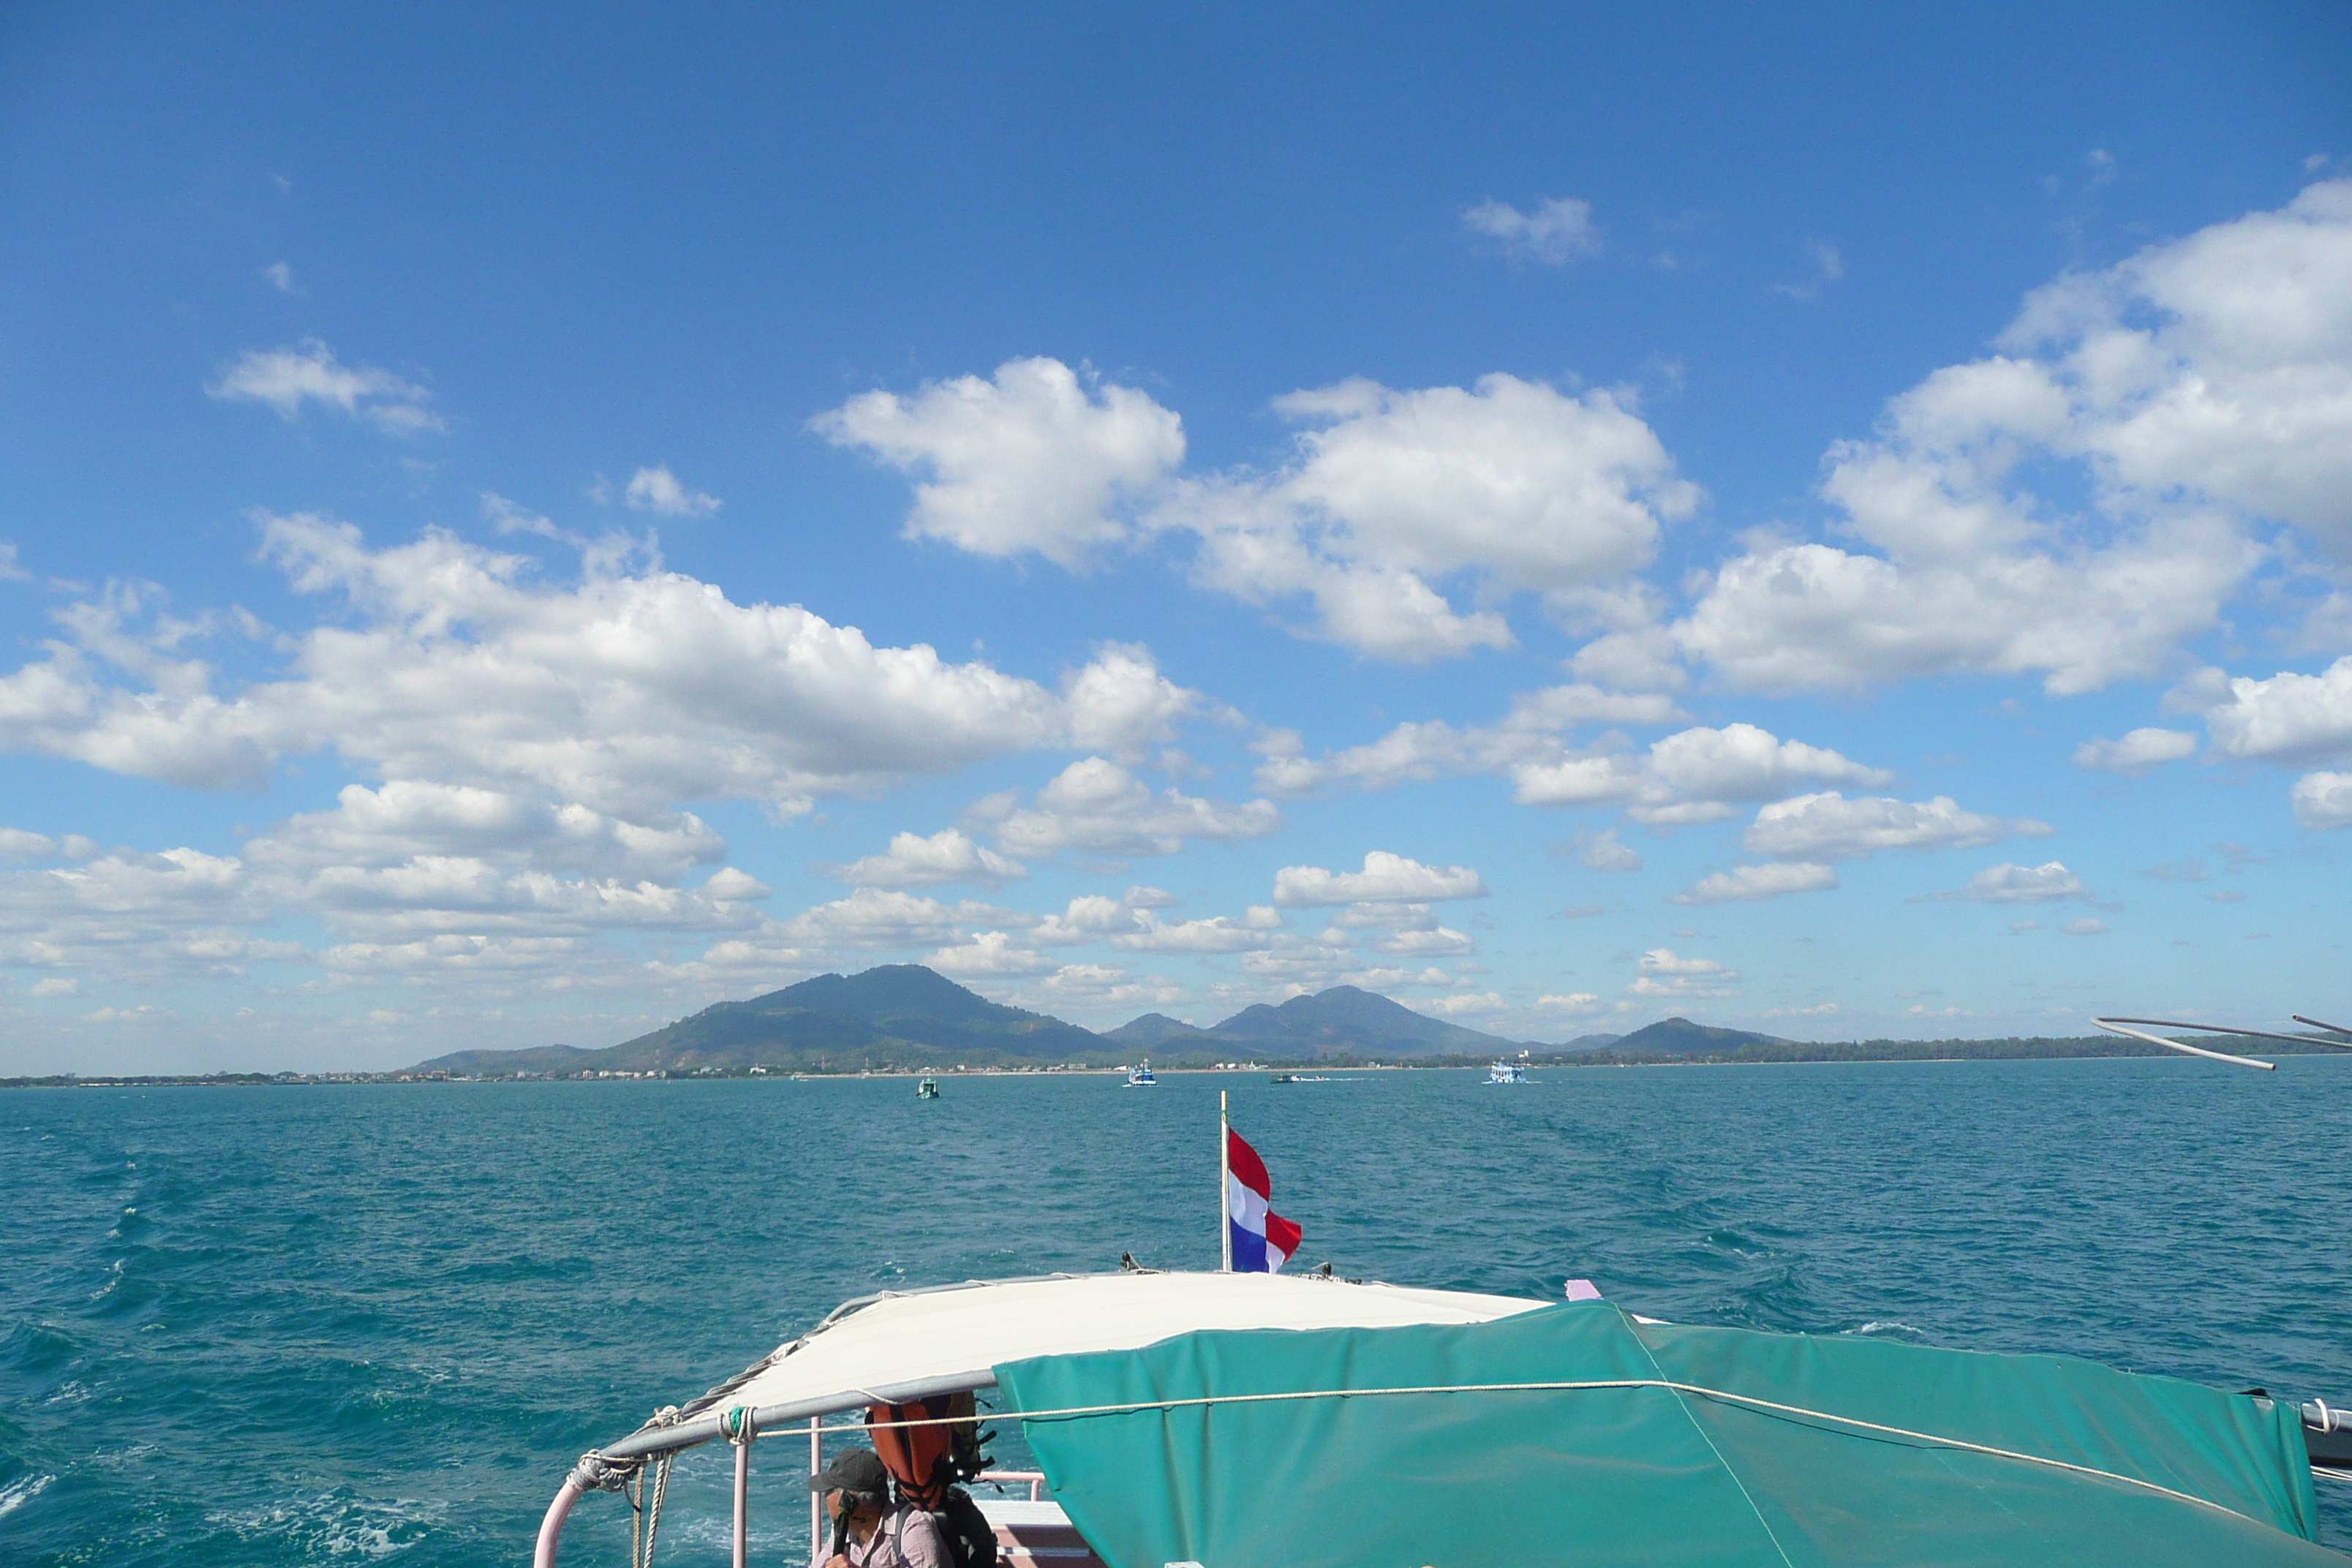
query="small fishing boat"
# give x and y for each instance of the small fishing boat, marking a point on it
(929, 1089)
(1141, 1078)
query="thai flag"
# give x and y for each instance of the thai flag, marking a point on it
(1263, 1241)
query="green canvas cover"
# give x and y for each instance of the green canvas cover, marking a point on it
(1648, 1475)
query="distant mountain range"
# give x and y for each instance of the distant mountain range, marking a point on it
(1343, 1021)
(905, 1015)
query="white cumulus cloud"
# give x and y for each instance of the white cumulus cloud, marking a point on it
(1828, 826)
(2288, 718)
(1603, 852)
(1259, 928)
(1385, 878)
(1461, 1005)
(989, 953)
(2198, 389)
(1667, 974)
(1559, 230)
(1693, 775)
(915, 861)
(1031, 460)
(15, 843)
(286, 379)
(2049, 883)
(1510, 484)
(1749, 882)
(885, 917)
(1421, 750)
(2322, 799)
(627, 692)
(658, 490)
(1572, 1002)
(1666, 961)
(2139, 752)
(1384, 499)
(1097, 808)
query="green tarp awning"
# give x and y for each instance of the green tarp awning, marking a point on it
(1648, 1475)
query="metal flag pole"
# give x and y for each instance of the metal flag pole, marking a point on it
(1225, 1185)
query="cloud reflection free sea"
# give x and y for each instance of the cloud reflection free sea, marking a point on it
(334, 1324)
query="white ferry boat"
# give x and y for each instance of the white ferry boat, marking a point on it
(1503, 1071)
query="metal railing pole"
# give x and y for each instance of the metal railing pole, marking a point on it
(743, 1500)
(816, 1499)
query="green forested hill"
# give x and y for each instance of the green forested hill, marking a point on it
(900, 1014)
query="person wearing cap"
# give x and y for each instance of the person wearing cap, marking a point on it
(868, 1530)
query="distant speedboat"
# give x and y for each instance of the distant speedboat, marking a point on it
(1141, 1078)
(1501, 1071)
(928, 1089)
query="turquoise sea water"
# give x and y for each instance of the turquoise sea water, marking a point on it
(328, 1325)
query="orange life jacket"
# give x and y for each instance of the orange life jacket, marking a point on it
(924, 1458)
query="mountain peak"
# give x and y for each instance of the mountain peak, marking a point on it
(1350, 1018)
(1684, 1037)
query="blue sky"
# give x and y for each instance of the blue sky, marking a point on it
(1828, 520)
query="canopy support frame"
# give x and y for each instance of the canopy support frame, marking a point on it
(652, 1441)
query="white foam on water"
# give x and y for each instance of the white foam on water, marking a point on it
(18, 1494)
(338, 1526)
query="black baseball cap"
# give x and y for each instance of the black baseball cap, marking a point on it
(853, 1470)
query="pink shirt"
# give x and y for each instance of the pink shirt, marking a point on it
(907, 1538)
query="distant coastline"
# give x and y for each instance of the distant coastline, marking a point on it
(1779, 1053)
(905, 1018)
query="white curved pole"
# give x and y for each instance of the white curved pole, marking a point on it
(550, 1529)
(2114, 1027)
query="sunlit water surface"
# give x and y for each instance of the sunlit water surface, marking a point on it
(331, 1324)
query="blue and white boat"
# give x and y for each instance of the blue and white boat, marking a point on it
(1141, 1078)
(1502, 1071)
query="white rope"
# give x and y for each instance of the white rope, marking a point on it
(1587, 1385)
(1708, 1438)
(653, 1517)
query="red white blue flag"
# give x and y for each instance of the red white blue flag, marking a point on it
(1262, 1241)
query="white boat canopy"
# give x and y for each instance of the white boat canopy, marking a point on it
(929, 1334)
(900, 1346)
